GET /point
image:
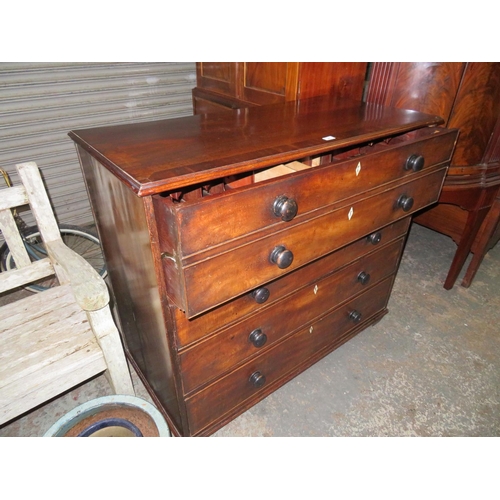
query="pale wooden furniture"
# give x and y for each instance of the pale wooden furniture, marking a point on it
(56, 339)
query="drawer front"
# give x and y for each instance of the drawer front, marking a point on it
(220, 353)
(291, 355)
(206, 284)
(261, 205)
(190, 330)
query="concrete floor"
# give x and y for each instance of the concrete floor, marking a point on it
(431, 367)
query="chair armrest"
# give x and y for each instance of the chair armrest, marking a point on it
(90, 290)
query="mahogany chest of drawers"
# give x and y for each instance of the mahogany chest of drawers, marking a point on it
(243, 248)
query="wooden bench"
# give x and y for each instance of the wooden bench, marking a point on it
(53, 340)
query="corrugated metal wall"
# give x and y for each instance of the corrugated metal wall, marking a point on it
(41, 102)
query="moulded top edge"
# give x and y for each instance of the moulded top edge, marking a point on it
(157, 156)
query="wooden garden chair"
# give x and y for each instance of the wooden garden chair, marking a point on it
(53, 340)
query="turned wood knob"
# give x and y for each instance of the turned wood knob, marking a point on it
(258, 338)
(261, 295)
(355, 316)
(285, 207)
(363, 278)
(375, 238)
(415, 163)
(405, 202)
(257, 379)
(281, 257)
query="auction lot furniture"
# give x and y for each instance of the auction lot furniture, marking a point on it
(244, 246)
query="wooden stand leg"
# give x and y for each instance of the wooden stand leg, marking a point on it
(486, 239)
(474, 221)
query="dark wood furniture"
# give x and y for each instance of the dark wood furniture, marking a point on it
(222, 86)
(235, 264)
(467, 96)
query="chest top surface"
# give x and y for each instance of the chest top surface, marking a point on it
(157, 156)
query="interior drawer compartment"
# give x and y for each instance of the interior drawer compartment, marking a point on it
(196, 286)
(191, 330)
(284, 201)
(255, 379)
(219, 353)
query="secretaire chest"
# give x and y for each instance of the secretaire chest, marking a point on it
(243, 248)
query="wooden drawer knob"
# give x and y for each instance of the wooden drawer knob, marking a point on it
(355, 316)
(257, 379)
(261, 295)
(285, 207)
(281, 257)
(375, 238)
(405, 203)
(415, 163)
(363, 278)
(258, 338)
